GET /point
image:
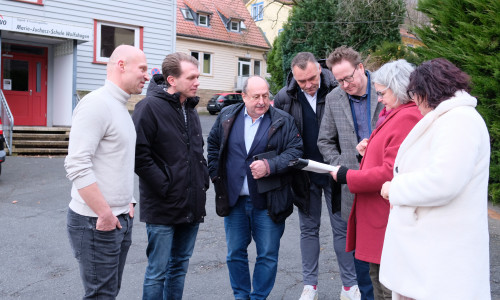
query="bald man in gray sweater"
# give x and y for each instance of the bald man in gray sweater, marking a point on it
(100, 164)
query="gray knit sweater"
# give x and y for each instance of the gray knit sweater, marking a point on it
(102, 149)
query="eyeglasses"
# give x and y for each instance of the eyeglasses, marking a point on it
(380, 93)
(411, 94)
(347, 79)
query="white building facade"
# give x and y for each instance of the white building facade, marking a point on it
(51, 49)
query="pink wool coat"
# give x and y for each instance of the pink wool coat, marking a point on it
(370, 212)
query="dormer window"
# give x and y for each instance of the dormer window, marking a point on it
(235, 26)
(186, 13)
(203, 20)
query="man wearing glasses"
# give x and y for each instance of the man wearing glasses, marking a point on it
(249, 148)
(350, 115)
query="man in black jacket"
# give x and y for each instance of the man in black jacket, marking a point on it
(304, 98)
(173, 174)
(249, 149)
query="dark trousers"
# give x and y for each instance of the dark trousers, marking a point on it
(309, 239)
(100, 254)
(364, 280)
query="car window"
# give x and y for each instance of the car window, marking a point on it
(239, 97)
(221, 98)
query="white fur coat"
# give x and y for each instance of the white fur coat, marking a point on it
(436, 243)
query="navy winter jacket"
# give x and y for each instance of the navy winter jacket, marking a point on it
(283, 137)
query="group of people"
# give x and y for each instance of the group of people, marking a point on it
(407, 197)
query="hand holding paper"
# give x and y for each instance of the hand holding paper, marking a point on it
(334, 172)
(312, 166)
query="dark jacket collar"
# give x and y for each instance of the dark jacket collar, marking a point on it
(157, 88)
(327, 80)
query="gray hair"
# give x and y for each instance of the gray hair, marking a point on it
(245, 84)
(302, 59)
(396, 76)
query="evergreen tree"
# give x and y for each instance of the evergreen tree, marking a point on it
(275, 66)
(320, 26)
(467, 32)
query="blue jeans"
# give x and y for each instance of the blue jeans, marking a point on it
(364, 279)
(100, 254)
(244, 223)
(309, 239)
(169, 249)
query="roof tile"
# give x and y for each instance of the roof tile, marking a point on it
(217, 31)
(196, 6)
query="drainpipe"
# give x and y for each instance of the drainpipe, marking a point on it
(75, 95)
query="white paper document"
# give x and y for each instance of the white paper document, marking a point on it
(311, 165)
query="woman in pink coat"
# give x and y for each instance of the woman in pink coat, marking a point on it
(370, 212)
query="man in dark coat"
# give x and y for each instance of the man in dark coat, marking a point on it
(173, 174)
(304, 98)
(249, 149)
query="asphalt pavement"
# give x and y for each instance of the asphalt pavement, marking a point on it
(36, 261)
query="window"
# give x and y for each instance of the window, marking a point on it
(204, 62)
(258, 11)
(203, 20)
(16, 72)
(244, 67)
(235, 26)
(256, 67)
(186, 13)
(108, 36)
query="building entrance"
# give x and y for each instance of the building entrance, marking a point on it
(24, 83)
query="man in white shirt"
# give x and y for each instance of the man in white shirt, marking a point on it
(304, 98)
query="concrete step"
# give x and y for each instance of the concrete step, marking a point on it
(40, 136)
(38, 140)
(38, 143)
(40, 129)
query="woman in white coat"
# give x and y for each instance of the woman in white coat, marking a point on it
(436, 242)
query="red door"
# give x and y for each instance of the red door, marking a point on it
(24, 84)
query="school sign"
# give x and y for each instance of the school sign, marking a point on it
(39, 27)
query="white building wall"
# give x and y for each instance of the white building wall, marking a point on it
(157, 17)
(62, 84)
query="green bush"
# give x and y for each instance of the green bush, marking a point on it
(390, 51)
(275, 66)
(320, 26)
